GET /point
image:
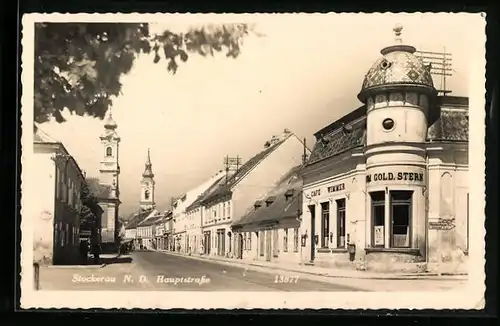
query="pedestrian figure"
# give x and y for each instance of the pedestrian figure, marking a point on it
(84, 248)
(96, 250)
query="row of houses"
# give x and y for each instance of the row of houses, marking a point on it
(384, 187)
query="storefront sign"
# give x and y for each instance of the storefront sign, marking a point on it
(379, 235)
(336, 188)
(442, 225)
(316, 192)
(402, 175)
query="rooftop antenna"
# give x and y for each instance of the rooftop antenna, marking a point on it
(439, 64)
(232, 164)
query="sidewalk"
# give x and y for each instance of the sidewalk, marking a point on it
(323, 271)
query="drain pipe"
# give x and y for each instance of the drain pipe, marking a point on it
(426, 211)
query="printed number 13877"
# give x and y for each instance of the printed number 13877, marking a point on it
(286, 279)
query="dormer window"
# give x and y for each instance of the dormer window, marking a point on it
(270, 200)
(257, 204)
(289, 194)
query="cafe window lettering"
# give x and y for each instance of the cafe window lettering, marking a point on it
(325, 224)
(341, 223)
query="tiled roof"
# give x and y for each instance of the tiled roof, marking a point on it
(215, 186)
(225, 188)
(99, 190)
(334, 139)
(138, 218)
(151, 221)
(451, 125)
(281, 207)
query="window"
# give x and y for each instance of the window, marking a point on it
(146, 194)
(250, 241)
(341, 223)
(285, 240)
(296, 240)
(223, 209)
(400, 203)
(215, 211)
(325, 224)
(275, 243)
(70, 192)
(262, 243)
(229, 209)
(109, 151)
(378, 218)
(244, 236)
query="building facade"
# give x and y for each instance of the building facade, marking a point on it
(187, 233)
(270, 229)
(57, 206)
(168, 235)
(386, 185)
(237, 194)
(109, 182)
(146, 230)
(195, 214)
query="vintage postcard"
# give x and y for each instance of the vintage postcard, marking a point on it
(253, 161)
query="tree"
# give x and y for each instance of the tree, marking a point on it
(78, 65)
(90, 209)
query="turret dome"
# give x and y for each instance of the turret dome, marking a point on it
(398, 66)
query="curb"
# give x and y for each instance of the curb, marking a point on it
(427, 276)
(76, 266)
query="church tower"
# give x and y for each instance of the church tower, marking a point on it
(110, 167)
(148, 186)
(109, 179)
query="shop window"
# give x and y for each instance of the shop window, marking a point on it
(378, 218)
(275, 243)
(262, 243)
(341, 223)
(401, 206)
(325, 224)
(285, 240)
(296, 240)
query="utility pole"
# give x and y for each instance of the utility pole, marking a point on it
(232, 164)
(304, 155)
(439, 64)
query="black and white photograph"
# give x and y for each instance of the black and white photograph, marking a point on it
(253, 161)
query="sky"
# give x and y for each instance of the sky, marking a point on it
(303, 74)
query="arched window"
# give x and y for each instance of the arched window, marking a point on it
(146, 194)
(109, 151)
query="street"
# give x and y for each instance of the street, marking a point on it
(158, 271)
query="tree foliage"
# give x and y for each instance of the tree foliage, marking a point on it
(78, 65)
(90, 208)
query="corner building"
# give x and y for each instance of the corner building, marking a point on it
(386, 187)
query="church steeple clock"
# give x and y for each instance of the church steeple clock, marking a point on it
(148, 186)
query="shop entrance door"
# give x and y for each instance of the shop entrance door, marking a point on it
(313, 231)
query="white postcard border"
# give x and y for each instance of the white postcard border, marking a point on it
(469, 298)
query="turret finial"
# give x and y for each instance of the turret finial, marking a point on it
(397, 31)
